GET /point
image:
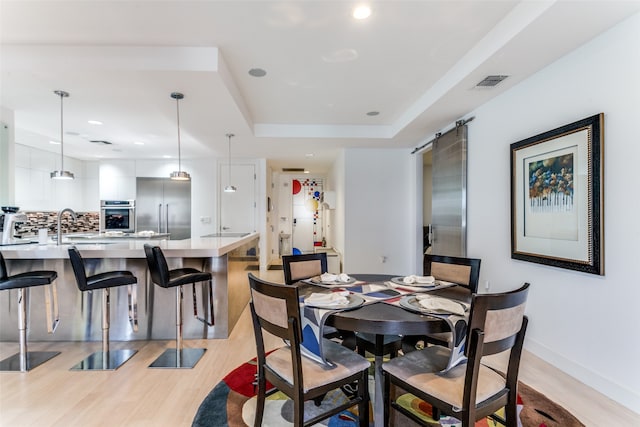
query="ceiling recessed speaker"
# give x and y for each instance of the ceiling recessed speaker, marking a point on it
(491, 81)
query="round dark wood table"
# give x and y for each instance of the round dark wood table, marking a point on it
(380, 319)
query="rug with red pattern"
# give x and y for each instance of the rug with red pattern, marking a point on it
(232, 404)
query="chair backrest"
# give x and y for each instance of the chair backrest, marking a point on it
(78, 268)
(157, 264)
(4, 274)
(299, 267)
(463, 271)
(500, 318)
(275, 308)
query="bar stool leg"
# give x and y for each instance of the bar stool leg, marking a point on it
(24, 361)
(179, 357)
(105, 360)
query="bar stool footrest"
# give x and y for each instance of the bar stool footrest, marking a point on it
(185, 358)
(34, 359)
(104, 361)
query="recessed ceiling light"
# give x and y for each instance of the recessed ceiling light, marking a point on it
(362, 12)
(138, 142)
(166, 156)
(257, 72)
(306, 171)
(94, 122)
(54, 142)
(373, 113)
(309, 155)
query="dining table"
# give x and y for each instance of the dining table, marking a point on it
(380, 317)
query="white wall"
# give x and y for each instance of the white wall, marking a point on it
(380, 211)
(35, 190)
(586, 325)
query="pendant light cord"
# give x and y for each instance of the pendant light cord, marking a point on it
(61, 133)
(229, 162)
(179, 151)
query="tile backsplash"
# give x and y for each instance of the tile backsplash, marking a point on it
(87, 222)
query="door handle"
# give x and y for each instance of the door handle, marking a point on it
(159, 216)
(166, 224)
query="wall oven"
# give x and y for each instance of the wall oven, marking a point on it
(118, 215)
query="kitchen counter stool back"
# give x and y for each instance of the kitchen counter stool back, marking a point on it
(27, 360)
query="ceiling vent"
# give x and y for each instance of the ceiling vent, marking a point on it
(491, 81)
(99, 141)
(301, 170)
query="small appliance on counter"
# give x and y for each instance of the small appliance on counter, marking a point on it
(9, 220)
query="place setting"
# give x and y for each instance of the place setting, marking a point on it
(419, 283)
(330, 279)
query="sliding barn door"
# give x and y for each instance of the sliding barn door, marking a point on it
(449, 196)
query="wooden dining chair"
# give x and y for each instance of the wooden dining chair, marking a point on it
(465, 272)
(275, 308)
(305, 266)
(471, 390)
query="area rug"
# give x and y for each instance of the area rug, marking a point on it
(231, 403)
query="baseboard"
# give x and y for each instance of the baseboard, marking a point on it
(621, 394)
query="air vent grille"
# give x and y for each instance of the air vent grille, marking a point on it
(99, 141)
(292, 169)
(491, 81)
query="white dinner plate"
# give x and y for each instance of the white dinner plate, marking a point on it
(400, 281)
(411, 302)
(351, 281)
(354, 301)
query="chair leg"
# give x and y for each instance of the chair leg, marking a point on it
(261, 396)
(24, 360)
(510, 410)
(106, 317)
(22, 327)
(363, 406)
(178, 318)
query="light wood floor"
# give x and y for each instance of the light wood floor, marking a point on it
(134, 395)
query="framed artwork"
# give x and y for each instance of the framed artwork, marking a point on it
(557, 197)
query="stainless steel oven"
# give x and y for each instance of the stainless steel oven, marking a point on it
(118, 215)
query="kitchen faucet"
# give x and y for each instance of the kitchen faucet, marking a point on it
(73, 215)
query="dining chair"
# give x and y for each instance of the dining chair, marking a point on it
(465, 272)
(305, 266)
(471, 390)
(275, 308)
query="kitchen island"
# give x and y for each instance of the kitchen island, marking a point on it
(227, 258)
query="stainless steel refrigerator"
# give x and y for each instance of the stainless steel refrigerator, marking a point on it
(164, 206)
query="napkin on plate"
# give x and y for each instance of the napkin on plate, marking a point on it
(328, 277)
(440, 304)
(328, 299)
(418, 279)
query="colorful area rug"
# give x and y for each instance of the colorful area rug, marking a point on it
(232, 404)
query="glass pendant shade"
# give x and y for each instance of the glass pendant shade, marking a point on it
(61, 174)
(179, 175)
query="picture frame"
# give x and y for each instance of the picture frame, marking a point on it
(557, 197)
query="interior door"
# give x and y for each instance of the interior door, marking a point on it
(238, 209)
(449, 193)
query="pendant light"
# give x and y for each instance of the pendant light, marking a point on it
(179, 175)
(229, 188)
(61, 174)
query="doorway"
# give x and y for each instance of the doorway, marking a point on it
(237, 209)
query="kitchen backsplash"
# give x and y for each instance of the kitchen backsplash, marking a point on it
(87, 222)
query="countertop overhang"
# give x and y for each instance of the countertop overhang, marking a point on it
(202, 247)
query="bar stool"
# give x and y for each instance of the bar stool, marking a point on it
(106, 359)
(165, 278)
(27, 360)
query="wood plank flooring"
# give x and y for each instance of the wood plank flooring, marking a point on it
(135, 395)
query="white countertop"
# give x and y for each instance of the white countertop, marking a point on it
(189, 248)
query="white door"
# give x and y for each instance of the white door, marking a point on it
(238, 209)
